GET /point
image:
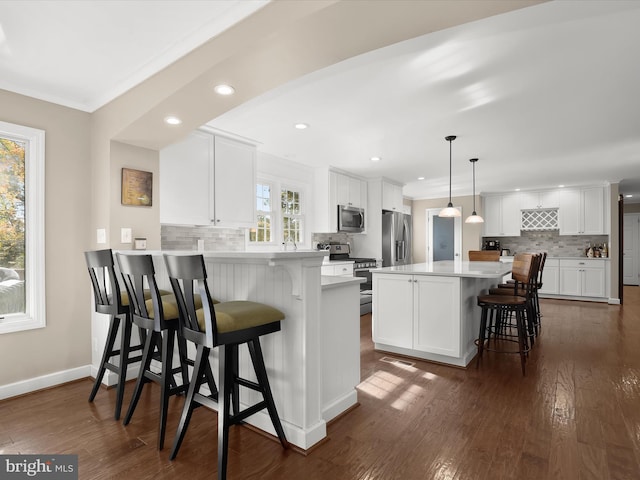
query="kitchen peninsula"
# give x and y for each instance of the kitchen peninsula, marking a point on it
(429, 310)
(314, 361)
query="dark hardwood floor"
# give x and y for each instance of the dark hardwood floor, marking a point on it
(576, 415)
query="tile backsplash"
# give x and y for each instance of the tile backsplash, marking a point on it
(330, 238)
(181, 237)
(551, 242)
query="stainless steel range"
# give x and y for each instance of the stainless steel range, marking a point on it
(361, 268)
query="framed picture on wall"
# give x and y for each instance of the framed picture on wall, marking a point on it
(137, 187)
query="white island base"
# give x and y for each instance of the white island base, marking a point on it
(430, 310)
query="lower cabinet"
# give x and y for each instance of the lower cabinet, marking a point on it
(582, 278)
(550, 276)
(342, 270)
(417, 312)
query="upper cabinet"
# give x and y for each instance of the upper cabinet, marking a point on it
(349, 191)
(208, 180)
(392, 197)
(332, 189)
(541, 199)
(502, 215)
(582, 211)
(579, 211)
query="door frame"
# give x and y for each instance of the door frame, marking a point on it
(457, 234)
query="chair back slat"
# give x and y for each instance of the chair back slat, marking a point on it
(484, 256)
(106, 289)
(522, 268)
(188, 277)
(138, 274)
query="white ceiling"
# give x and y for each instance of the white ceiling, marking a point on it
(84, 53)
(542, 96)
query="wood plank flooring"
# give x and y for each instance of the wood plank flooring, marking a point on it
(576, 415)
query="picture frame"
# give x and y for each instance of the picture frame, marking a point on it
(137, 188)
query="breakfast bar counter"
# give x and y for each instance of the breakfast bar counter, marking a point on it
(429, 310)
(321, 325)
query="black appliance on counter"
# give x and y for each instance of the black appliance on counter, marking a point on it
(491, 245)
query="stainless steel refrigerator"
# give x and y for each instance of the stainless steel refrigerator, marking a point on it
(396, 238)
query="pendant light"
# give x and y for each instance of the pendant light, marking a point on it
(474, 217)
(450, 211)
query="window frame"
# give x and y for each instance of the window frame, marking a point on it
(34, 315)
(272, 213)
(301, 216)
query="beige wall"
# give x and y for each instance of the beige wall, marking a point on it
(471, 233)
(143, 221)
(65, 342)
(632, 208)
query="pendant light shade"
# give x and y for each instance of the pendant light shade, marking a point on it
(474, 217)
(449, 211)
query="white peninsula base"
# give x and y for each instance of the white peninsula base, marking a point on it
(313, 362)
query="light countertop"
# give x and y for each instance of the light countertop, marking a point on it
(330, 281)
(451, 269)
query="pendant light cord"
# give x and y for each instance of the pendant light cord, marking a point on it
(450, 172)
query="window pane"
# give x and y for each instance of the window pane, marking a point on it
(12, 226)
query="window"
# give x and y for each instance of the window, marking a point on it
(22, 282)
(291, 215)
(262, 232)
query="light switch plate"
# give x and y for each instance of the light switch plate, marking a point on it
(101, 235)
(125, 235)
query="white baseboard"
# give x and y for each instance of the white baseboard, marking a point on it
(45, 381)
(614, 301)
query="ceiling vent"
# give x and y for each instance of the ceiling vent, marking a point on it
(540, 219)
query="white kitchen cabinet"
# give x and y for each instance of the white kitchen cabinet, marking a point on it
(582, 278)
(502, 215)
(550, 276)
(208, 180)
(350, 191)
(392, 197)
(335, 189)
(581, 211)
(393, 299)
(539, 199)
(186, 178)
(341, 269)
(435, 299)
(415, 312)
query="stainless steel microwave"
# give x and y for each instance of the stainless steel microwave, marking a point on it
(350, 219)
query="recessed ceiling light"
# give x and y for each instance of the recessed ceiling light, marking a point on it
(560, 186)
(172, 120)
(420, 178)
(375, 159)
(628, 196)
(517, 189)
(224, 89)
(301, 126)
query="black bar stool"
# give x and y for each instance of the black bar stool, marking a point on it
(497, 309)
(227, 326)
(158, 316)
(110, 301)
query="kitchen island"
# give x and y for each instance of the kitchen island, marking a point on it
(429, 310)
(313, 362)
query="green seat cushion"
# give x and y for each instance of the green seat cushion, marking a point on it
(124, 296)
(239, 315)
(170, 306)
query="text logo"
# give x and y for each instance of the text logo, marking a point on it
(50, 467)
